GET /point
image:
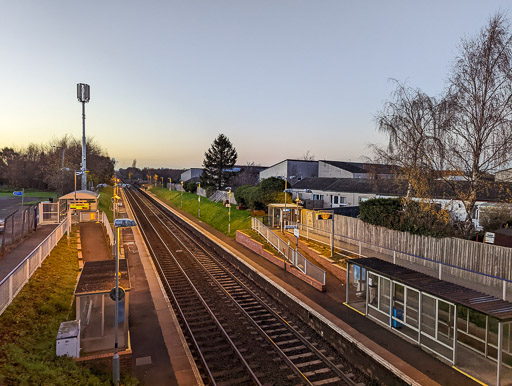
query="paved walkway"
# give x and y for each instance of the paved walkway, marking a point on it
(94, 242)
(404, 356)
(11, 259)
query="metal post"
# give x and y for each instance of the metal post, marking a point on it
(420, 318)
(500, 353)
(84, 157)
(332, 236)
(366, 294)
(347, 283)
(455, 336)
(229, 213)
(115, 359)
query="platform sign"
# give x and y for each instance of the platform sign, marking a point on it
(296, 232)
(17, 193)
(489, 237)
(120, 294)
(83, 206)
(324, 216)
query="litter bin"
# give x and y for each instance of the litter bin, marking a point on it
(397, 314)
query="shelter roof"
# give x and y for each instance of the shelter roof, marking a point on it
(478, 301)
(99, 277)
(80, 195)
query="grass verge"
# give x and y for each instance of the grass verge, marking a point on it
(29, 326)
(31, 193)
(212, 213)
(105, 202)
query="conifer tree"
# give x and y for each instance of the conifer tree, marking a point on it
(218, 162)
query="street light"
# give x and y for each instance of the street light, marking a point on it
(199, 199)
(83, 93)
(229, 212)
(181, 194)
(118, 223)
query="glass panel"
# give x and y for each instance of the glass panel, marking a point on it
(398, 305)
(412, 307)
(384, 291)
(428, 315)
(445, 323)
(373, 289)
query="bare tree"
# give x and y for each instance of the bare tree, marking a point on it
(307, 156)
(412, 121)
(480, 139)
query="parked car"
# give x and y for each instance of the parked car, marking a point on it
(2, 224)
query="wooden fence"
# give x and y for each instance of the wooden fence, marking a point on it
(487, 267)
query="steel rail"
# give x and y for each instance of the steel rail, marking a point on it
(203, 302)
(261, 302)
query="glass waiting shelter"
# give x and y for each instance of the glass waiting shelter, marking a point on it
(463, 327)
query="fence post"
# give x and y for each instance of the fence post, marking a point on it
(440, 271)
(394, 256)
(360, 249)
(504, 290)
(10, 289)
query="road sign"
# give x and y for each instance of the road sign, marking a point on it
(290, 226)
(120, 294)
(296, 232)
(17, 193)
(83, 206)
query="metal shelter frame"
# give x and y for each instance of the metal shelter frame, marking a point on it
(441, 317)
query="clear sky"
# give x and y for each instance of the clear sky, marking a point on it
(278, 78)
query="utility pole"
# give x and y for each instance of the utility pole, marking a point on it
(83, 94)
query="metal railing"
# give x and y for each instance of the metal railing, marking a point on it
(293, 256)
(16, 226)
(12, 284)
(108, 227)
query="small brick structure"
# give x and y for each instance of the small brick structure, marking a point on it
(257, 247)
(104, 361)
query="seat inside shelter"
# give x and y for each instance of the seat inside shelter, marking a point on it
(96, 310)
(280, 215)
(467, 329)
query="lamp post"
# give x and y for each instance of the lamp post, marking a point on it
(118, 223)
(83, 93)
(229, 212)
(181, 194)
(199, 199)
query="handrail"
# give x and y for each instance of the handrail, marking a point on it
(293, 256)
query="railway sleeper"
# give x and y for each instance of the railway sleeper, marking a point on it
(333, 380)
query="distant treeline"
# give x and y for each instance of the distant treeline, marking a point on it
(43, 167)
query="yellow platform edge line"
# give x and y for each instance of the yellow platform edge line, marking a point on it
(352, 308)
(469, 376)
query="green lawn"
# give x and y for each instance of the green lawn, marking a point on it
(28, 327)
(31, 193)
(105, 201)
(212, 213)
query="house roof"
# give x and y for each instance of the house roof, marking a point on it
(361, 167)
(398, 187)
(290, 160)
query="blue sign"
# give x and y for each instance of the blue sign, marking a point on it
(17, 193)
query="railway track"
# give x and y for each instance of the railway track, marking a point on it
(237, 333)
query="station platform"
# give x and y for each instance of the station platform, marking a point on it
(12, 258)
(403, 358)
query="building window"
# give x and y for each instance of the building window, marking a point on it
(318, 197)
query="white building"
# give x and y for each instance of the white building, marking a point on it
(190, 174)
